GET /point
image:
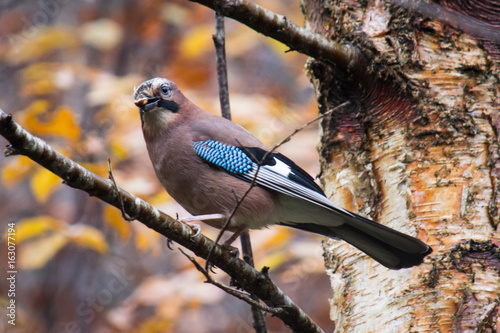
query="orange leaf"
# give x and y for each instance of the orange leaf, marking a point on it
(146, 239)
(16, 170)
(156, 324)
(36, 254)
(35, 226)
(119, 150)
(43, 184)
(275, 259)
(58, 123)
(114, 219)
(87, 236)
(43, 41)
(100, 169)
(197, 42)
(38, 79)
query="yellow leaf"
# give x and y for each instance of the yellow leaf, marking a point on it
(64, 124)
(34, 110)
(38, 79)
(196, 42)
(159, 198)
(156, 325)
(241, 41)
(43, 184)
(276, 239)
(114, 219)
(119, 150)
(15, 170)
(57, 123)
(40, 41)
(36, 254)
(100, 169)
(35, 226)
(275, 259)
(147, 239)
(87, 236)
(278, 47)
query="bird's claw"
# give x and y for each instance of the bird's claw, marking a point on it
(169, 244)
(210, 268)
(195, 228)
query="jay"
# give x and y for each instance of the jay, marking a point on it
(206, 162)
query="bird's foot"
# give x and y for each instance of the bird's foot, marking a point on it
(235, 235)
(169, 243)
(196, 227)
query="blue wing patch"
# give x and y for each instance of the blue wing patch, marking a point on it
(242, 160)
(277, 172)
(229, 158)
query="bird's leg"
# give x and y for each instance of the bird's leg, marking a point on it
(227, 244)
(195, 227)
(234, 236)
(234, 250)
(202, 217)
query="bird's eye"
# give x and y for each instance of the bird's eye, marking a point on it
(165, 90)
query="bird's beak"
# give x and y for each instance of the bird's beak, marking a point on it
(146, 104)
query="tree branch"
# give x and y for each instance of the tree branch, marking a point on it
(346, 57)
(259, 320)
(78, 177)
(246, 297)
(220, 51)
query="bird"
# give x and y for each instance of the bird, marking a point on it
(206, 163)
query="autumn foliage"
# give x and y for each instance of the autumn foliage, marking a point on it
(69, 69)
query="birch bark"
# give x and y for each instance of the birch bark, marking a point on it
(417, 149)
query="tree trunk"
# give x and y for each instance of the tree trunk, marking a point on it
(416, 149)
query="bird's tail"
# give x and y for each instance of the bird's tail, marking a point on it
(389, 247)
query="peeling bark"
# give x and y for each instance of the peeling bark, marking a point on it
(417, 149)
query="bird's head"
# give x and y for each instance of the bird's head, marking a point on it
(159, 101)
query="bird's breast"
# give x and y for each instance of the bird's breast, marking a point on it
(204, 189)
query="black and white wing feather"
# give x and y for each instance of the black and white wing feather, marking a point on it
(306, 207)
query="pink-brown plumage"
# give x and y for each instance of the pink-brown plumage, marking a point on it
(208, 190)
(206, 163)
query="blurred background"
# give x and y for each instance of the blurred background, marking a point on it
(68, 72)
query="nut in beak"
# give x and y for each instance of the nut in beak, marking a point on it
(141, 102)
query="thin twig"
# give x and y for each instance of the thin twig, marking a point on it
(220, 51)
(226, 224)
(345, 57)
(259, 322)
(244, 296)
(259, 164)
(297, 130)
(259, 319)
(115, 187)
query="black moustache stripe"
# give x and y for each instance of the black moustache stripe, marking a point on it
(169, 105)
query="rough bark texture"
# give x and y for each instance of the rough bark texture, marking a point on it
(417, 149)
